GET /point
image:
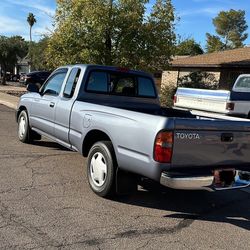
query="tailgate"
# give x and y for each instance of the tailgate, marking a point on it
(202, 99)
(211, 143)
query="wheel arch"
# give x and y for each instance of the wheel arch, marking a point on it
(20, 109)
(91, 138)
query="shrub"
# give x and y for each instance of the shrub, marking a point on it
(167, 95)
(201, 80)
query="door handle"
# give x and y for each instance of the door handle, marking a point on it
(52, 104)
(227, 137)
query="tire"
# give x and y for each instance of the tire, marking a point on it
(101, 169)
(24, 131)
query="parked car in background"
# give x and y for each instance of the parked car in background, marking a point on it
(35, 77)
(8, 76)
(11, 77)
(15, 77)
(22, 77)
(234, 102)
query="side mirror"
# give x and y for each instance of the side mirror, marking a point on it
(33, 88)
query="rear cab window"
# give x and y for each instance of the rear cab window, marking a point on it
(243, 84)
(97, 82)
(119, 83)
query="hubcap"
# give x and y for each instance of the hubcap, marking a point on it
(98, 169)
(22, 125)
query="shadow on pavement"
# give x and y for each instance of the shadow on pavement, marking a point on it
(231, 207)
(50, 144)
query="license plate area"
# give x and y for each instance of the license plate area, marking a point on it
(230, 179)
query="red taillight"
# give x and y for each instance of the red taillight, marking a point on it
(230, 106)
(163, 147)
(175, 99)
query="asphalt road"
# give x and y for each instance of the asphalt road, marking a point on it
(45, 203)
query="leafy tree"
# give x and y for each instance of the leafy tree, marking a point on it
(160, 36)
(214, 43)
(129, 33)
(10, 49)
(37, 52)
(199, 79)
(230, 27)
(188, 47)
(167, 95)
(112, 32)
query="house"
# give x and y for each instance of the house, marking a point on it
(224, 66)
(22, 66)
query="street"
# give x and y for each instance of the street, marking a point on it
(46, 203)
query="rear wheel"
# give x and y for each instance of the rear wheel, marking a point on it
(101, 168)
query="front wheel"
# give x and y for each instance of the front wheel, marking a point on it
(101, 167)
(25, 134)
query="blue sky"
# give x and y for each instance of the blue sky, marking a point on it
(13, 16)
(195, 16)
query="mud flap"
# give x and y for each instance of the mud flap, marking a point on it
(126, 182)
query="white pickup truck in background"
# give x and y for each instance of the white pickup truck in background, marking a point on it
(234, 103)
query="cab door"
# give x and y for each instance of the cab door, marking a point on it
(42, 114)
(64, 106)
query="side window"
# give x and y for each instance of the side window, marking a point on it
(54, 84)
(146, 87)
(71, 83)
(98, 82)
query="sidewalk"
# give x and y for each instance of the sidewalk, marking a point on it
(11, 88)
(10, 101)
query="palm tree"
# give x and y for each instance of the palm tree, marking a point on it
(31, 20)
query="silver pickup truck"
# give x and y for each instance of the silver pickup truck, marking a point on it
(113, 117)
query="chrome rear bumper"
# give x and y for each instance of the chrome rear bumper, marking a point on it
(241, 180)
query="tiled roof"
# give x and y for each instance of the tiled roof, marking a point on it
(235, 57)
